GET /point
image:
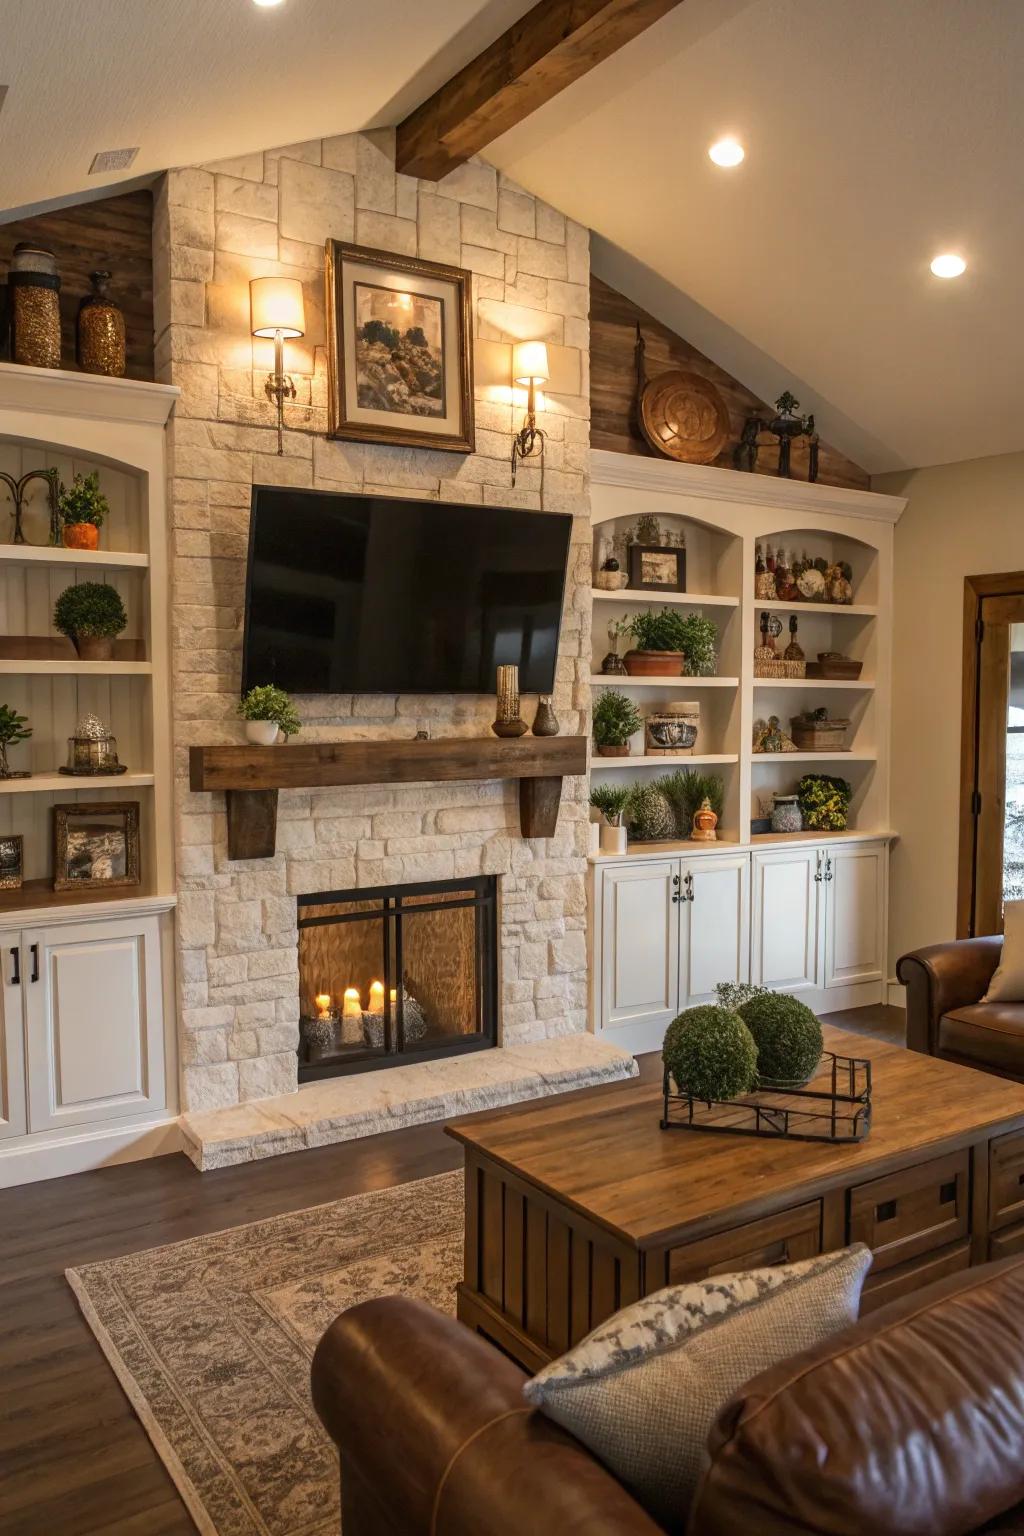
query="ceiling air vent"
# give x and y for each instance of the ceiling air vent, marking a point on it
(112, 160)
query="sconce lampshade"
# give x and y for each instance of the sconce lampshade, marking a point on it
(530, 362)
(276, 305)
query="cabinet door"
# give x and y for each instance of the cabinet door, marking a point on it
(855, 890)
(12, 1039)
(786, 918)
(715, 942)
(94, 1021)
(639, 952)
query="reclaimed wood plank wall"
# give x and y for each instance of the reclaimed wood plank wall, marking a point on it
(613, 322)
(113, 233)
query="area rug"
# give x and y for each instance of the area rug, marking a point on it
(212, 1339)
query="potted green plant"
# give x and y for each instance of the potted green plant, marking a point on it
(266, 711)
(616, 719)
(82, 508)
(90, 614)
(610, 800)
(668, 642)
(13, 729)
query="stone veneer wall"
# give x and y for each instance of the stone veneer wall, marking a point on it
(268, 213)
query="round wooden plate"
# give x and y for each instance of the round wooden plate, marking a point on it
(684, 417)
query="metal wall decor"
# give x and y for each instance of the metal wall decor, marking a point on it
(681, 415)
(787, 426)
(19, 496)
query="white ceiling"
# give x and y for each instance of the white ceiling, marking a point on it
(877, 134)
(193, 80)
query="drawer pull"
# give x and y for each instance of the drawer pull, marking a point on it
(886, 1211)
(947, 1193)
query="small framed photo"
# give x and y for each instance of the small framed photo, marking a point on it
(653, 568)
(12, 861)
(96, 847)
(399, 349)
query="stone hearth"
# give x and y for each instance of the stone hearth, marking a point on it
(343, 1109)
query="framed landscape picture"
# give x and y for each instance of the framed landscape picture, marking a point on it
(655, 568)
(400, 349)
(96, 846)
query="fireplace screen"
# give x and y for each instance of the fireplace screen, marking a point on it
(396, 973)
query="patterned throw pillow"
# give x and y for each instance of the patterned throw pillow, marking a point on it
(643, 1390)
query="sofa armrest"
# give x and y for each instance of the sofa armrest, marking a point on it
(941, 978)
(435, 1438)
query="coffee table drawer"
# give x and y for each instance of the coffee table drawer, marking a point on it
(1006, 1179)
(903, 1279)
(779, 1239)
(912, 1211)
(1004, 1244)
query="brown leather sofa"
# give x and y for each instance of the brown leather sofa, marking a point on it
(910, 1423)
(945, 1015)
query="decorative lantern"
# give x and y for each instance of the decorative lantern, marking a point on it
(92, 750)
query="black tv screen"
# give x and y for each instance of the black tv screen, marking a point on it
(369, 594)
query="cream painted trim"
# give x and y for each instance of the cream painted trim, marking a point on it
(87, 912)
(54, 392)
(710, 484)
(28, 1159)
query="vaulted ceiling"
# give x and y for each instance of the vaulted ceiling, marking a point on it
(877, 134)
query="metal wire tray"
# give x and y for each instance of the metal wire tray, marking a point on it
(833, 1105)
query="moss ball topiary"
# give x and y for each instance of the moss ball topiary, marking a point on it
(710, 1053)
(788, 1036)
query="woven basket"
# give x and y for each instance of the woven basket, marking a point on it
(821, 736)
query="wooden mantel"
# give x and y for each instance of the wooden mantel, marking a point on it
(251, 776)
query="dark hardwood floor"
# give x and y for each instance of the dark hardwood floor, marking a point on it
(73, 1457)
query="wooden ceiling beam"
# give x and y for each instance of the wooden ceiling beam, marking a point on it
(547, 49)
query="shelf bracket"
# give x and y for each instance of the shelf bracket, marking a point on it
(252, 823)
(539, 800)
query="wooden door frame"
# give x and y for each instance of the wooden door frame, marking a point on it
(976, 590)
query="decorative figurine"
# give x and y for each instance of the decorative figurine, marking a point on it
(705, 823)
(786, 425)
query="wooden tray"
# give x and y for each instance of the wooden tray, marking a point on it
(837, 668)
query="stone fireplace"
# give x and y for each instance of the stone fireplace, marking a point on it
(396, 974)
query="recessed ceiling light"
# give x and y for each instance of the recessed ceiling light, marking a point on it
(949, 265)
(265, 3)
(726, 152)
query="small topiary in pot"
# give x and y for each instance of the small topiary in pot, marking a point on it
(710, 1054)
(788, 1037)
(91, 614)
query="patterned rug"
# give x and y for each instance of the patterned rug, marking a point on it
(212, 1339)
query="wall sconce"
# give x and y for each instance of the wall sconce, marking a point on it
(277, 311)
(529, 367)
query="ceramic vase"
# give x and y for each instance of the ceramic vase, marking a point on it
(613, 839)
(262, 733)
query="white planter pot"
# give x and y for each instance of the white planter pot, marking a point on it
(613, 839)
(593, 836)
(262, 733)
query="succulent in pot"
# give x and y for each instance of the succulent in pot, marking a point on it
(610, 800)
(267, 711)
(91, 614)
(82, 508)
(616, 719)
(668, 642)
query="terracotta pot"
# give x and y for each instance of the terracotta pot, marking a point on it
(654, 663)
(94, 647)
(613, 751)
(81, 536)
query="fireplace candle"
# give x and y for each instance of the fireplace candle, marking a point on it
(352, 1017)
(323, 1004)
(376, 997)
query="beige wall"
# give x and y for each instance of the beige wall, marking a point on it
(961, 520)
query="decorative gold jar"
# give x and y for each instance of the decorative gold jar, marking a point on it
(35, 307)
(101, 337)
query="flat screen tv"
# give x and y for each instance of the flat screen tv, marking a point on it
(369, 594)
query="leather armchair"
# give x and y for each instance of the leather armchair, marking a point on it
(911, 1423)
(945, 1015)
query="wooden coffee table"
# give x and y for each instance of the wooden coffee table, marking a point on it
(580, 1204)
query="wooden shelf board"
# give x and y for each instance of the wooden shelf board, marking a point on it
(844, 610)
(707, 759)
(814, 682)
(18, 667)
(757, 838)
(33, 894)
(616, 681)
(682, 599)
(813, 757)
(57, 783)
(102, 559)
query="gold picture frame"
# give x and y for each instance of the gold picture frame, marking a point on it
(96, 846)
(399, 349)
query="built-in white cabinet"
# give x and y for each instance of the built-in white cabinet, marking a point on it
(797, 918)
(670, 930)
(83, 1045)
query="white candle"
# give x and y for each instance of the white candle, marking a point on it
(323, 1004)
(376, 997)
(351, 1004)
